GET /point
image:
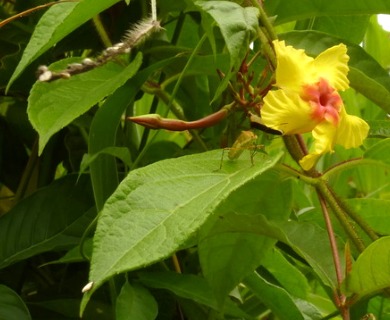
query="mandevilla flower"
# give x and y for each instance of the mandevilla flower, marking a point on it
(308, 100)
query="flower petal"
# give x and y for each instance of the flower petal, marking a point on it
(287, 112)
(324, 135)
(332, 65)
(352, 131)
(292, 66)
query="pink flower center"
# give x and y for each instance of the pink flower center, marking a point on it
(325, 101)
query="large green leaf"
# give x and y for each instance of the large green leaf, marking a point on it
(289, 276)
(306, 239)
(60, 20)
(371, 271)
(188, 286)
(12, 306)
(366, 75)
(312, 243)
(286, 10)
(379, 151)
(54, 217)
(156, 208)
(379, 128)
(135, 302)
(54, 105)
(228, 256)
(350, 28)
(238, 26)
(374, 211)
(103, 133)
(274, 297)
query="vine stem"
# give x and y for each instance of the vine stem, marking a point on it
(175, 108)
(101, 31)
(340, 214)
(265, 20)
(153, 5)
(336, 257)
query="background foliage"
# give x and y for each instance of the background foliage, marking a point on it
(162, 226)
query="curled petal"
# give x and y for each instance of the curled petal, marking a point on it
(332, 65)
(324, 135)
(352, 131)
(287, 112)
(308, 161)
(292, 66)
(295, 68)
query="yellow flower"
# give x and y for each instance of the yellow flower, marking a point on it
(308, 100)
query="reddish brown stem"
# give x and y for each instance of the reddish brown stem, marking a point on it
(339, 297)
(29, 11)
(154, 121)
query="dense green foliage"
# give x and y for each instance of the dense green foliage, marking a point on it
(161, 223)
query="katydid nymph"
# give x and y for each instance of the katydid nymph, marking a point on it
(245, 141)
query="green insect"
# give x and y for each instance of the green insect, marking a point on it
(245, 141)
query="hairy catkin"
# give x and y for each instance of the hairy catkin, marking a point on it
(140, 32)
(134, 37)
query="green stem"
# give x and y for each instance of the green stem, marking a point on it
(358, 219)
(267, 47)
(296, 174)
(27, 173)
(353, 215)
(183, 72)
(265, 20)
(176, 109)
(325, 191)
(352, 163)
(297, 150)
(101, 31)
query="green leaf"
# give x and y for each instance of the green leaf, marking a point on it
(306, 239)
(135, 302)
(350, 28)
(379, 151)
(54, 217)
(286, 10)
(366, 75)
(74, 254)
(58, 21)
(379, 128)
(163, 205)
(238, 25)
(121, 153)
(371, 271)
(312, 243)
(12, 306)
(54, 105)
(189, 287)
(374, 211)
(290, 277)
(274, 297)
(229, 255)
(376, 42)
(103, 133)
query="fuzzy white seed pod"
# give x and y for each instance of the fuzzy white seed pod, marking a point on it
(42, 69)
(65, 75)
(111, 50)
(75, 66)
(140, 32)
(88, 62)
(87, 287)
(45, 76)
